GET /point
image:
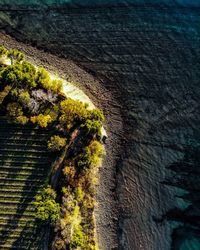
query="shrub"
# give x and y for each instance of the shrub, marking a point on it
(69, 173)
(22, 119)
(78, 239)
(14, 109)
(24, 97)
(43, 78)
(39, 95)
(15, 93)
(15, 56)
(72, 111)
(42, 120)
(96, 152)
(43, 96)
(79, 194)
(12, 75)
(92, 126)
(29, 74)
(56, 143)
(46, 207)
(96, 114)
(56, 85)
(84, 159)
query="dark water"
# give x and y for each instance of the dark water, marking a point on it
(150, 53)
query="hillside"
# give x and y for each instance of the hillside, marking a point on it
(24, 166)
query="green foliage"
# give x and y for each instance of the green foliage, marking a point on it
(15, 56)
(29, 74)
(22, 119)
(15, 93)
(43, 78)
(78, 240)
(12, 75)
(92, 126)
(97, 115)
(72, 111)
(14, 109)
(96, 153)
(24, 97)
(46, 207)
(56, 85)
(56, 143)
(91, 156)
(79, 193)
(19, 74)
(42, 120)
(84, 159)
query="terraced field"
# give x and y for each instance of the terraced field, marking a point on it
(24, 168)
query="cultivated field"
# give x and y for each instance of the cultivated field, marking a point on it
(24, 167)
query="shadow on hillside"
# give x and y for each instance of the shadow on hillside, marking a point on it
(29, 238)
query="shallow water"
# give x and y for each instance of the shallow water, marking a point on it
(148, 56)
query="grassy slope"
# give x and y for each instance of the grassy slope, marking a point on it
(24, 165)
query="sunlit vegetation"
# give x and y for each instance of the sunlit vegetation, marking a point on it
(46, 207)
(56, 143)
(29, 96)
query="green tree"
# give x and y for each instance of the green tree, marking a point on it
(14, 109)
(43, 78)
(84, 159)
(97, 114)
(28, 74)
(22, 119)
(78, 240)
(15, 56)
(92, 126)
(12, 75)
(72, 111)
(46, 207)
(42, 120)
(56, 85)
(24, 97)
(56, 143)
